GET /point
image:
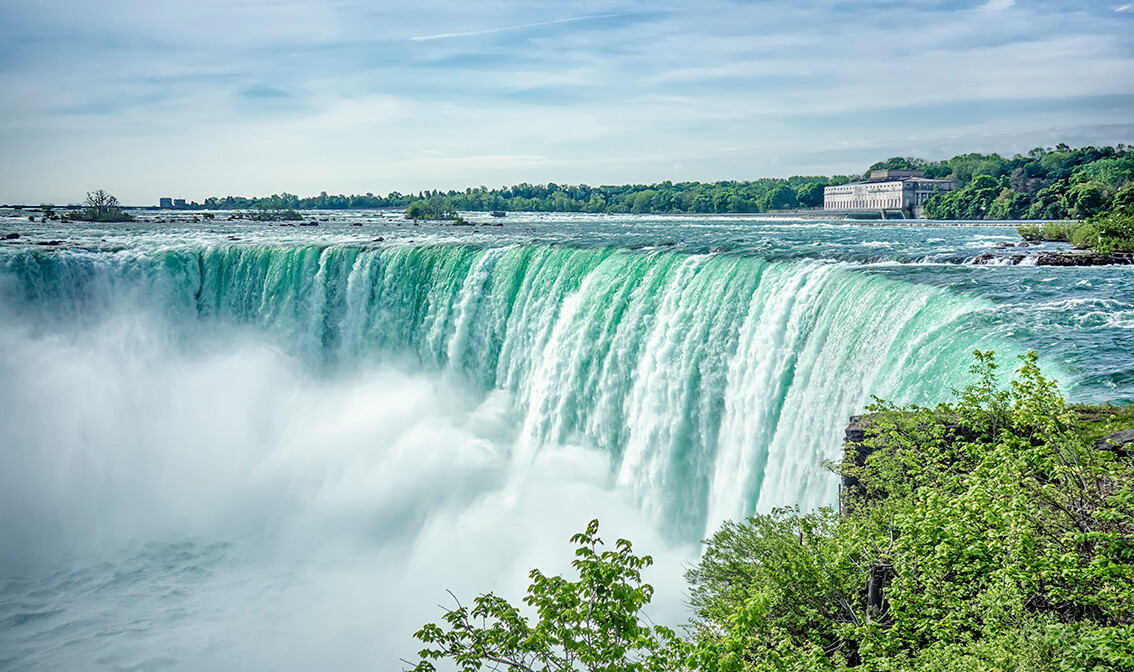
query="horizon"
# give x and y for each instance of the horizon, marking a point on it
(212, 99)
(424, 193)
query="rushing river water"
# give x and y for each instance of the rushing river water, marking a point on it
(232, 445)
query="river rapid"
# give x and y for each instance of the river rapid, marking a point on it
(236, 445)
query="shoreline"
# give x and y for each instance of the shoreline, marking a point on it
(188, 216)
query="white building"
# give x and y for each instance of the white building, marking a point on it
(905, 190)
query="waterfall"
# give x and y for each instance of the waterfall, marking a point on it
(716, 384)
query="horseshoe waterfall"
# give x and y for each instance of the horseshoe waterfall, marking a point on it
(279, 452)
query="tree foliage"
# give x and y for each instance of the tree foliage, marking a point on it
(999, 538)
(592, 623)
(1056, 183)
(1105, 232)
(973, 201)
(433, 208)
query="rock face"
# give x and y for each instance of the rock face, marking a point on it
(855, 451)
(1052, 258)
(1121, 443)
(1084, 259)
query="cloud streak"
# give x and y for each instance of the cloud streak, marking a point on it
(998, 5)
(522, 26)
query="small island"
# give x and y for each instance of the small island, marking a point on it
(1110, 233)
(100, 206)
(438, 208)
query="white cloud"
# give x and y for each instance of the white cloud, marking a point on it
(1124, 8)
(489, 31)
(998, 5)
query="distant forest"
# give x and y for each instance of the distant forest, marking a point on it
(1051, 183)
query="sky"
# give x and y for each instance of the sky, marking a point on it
(252, 97)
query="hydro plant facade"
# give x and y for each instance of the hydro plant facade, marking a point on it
(983, 534)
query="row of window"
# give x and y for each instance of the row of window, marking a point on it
(864, 203)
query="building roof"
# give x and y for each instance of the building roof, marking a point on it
(912, 178)
(891, 175)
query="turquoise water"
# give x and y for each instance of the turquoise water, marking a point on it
(263, 444)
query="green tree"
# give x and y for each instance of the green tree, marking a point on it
(781, 197)
(1050, 203)
(1087, 199)
(972, 201)
(642, 202)
(776, 592)
(592, 623)
(1009, 205)
(810, 195)
(436, 207)
(968, 167)
(597, 203)
(896, 163)
(100, 206)
(1114, 172)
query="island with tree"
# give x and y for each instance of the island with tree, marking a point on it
(100, 206)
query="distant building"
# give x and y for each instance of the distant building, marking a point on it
(165, 203)
(179, 202)
(905, 190)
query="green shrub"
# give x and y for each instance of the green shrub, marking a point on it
(1052, 232)
(1030, 232)
(268, 214)
(1085, 236)
(1115, 233)
(1002, 539)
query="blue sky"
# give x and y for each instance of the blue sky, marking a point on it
(251, 97)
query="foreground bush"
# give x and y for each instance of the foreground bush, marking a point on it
(983, 534)
(593, 623)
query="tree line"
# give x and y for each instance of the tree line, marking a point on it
(1058, 183)
(761, 195)
(1046, 183)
